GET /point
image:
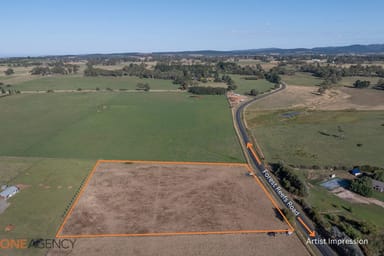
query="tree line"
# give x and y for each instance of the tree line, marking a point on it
(9, 71)
(361, 84)
(362, 186)
(200, 90)
(335, 73)
(56, 68)
(188, 75)
(289, 179)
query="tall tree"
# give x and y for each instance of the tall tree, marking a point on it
(9, 71)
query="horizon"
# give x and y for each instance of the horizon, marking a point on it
(181, 51)
(45, 28)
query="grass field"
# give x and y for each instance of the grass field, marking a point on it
(76, 81)
(378, 195)
(51, 141)
(323, 199)
(301, 78)
(349, 80)
(49, 186)
(167, 126)
(17, 71)
(21, 75)
(306, 79)
(302, 139)
(244, 86)
(10, 167)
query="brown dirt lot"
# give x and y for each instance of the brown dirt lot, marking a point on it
(355, 198)
(334, 99)
(224, 245)
(154, 198)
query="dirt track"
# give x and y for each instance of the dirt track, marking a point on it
(356, 198)
(152, 198)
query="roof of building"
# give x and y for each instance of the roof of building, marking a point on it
(9, 191)
(355, 170)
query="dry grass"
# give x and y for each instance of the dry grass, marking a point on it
(334, 99)
(142, 198)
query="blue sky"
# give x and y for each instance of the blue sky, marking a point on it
(41, 27)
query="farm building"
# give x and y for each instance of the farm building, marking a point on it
(9, 192)
(378, 185)
(356, 171)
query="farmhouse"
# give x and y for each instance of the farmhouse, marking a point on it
(378, 185)
(9, 192)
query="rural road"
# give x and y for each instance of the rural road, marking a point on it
(245, 140)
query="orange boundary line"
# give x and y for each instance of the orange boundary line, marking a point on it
(59, 235)
(270, 198)
(77, 198)
(254, 153)
(311, 232)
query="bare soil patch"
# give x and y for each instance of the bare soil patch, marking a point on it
(22, 186)
(9, 228)
(141, 198)
(355, 198)
(334, 99)
(365, 99)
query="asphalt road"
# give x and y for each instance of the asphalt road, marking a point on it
(323, 249)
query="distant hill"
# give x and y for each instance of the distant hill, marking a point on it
(351, 49)
(330, 50)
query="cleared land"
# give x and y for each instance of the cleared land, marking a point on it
(334, 99)
(225, 245)
(166, 126)
(183, 197)
(142, 198)
(355, 198)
